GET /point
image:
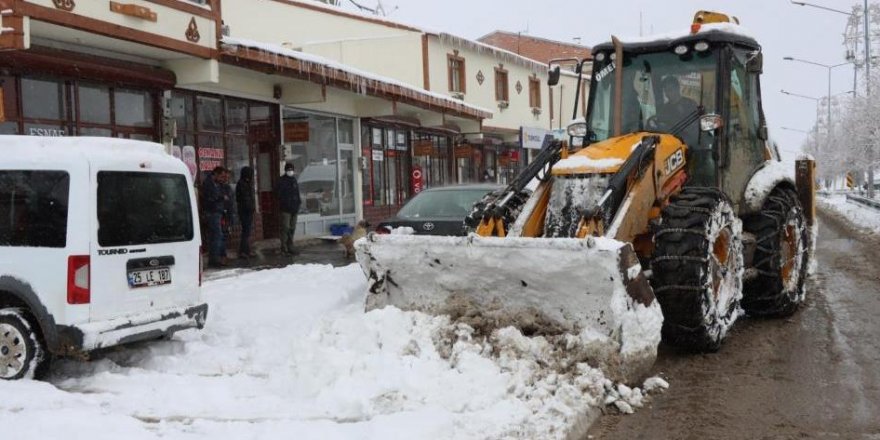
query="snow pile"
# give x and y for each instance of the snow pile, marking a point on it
(403, 230)
(583, 162)
(289, 353)
(861, 216)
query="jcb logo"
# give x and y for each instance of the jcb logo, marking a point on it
(122, 251)
(674, 161)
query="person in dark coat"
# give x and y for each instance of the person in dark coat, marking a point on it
(247, 205)
(287, 190)
(214, 204)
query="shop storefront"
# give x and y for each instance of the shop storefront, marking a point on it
(322, 151)
(42, 105)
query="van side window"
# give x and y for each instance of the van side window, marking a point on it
(143, 208)
(33, 208)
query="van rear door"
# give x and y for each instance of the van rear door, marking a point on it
(145, 248)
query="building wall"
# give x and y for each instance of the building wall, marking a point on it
(380, 55)
(518, 113)
(170, 22)
(280, 21)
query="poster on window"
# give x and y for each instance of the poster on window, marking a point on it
(210, 158)
(378, 155)
(417, 179)
(188, 156)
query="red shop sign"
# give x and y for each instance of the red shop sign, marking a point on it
(418, 179)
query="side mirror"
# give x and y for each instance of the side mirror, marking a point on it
(755, 64)
(710, 122)
(553, 76)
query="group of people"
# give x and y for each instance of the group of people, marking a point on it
(220, 209)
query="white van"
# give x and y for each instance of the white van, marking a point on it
(99, 246)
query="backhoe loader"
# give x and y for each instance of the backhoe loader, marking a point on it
(676, 209)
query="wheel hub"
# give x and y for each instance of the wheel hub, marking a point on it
(13, 351)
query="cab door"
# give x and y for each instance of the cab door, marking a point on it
(744, 151)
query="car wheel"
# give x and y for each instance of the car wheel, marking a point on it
(22, 355)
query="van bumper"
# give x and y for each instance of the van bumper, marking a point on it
(80, 339)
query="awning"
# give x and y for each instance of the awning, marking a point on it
(280, 60)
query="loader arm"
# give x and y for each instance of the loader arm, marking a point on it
(493, 217)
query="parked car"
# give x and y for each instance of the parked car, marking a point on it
(438, 211)
(99, 246)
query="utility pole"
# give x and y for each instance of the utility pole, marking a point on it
(868, 96)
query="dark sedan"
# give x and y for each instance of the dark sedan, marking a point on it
(438, 211)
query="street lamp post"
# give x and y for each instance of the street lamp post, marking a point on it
(830, 67)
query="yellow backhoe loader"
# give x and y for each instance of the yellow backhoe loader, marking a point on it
(677, 202)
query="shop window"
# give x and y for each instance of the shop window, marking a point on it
(346, 131)
(8, 128)
(237, 156)
(346, 179)
(310, 142)
(501, 89)
(94, 104)
(43, 99)
(182, 112)
(534, 93)
(134, 108)
(456, 69)
(95, 131)
(209, 114)
(236, 116)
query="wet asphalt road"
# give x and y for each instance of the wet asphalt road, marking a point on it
(813, 375)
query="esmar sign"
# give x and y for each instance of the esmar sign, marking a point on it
(418, 179)
(53, 132)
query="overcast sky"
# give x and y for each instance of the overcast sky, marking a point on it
(781, 28)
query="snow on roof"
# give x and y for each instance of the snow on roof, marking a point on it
(83, 146)
(730, 28)
(362, 77)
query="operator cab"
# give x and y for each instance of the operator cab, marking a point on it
(700, 86)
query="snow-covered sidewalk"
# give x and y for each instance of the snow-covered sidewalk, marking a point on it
(861, 216)
(290, 353)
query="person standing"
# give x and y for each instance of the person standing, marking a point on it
(289, 201)
(246, 202)
(214, 205)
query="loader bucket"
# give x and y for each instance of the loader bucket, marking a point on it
(591, 288)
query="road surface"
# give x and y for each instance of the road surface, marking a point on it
(813, 375)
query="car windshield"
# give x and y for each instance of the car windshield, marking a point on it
(660, 91)
(443, 203)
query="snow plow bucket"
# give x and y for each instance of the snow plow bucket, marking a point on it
(593, 289)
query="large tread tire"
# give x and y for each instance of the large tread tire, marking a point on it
(22, 352)
(781, 257)
(697, 269)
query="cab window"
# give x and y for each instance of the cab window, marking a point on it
(33, 208)
(143, 208)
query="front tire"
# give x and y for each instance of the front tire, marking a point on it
(780, 260)
(697, 269)
(22, 355)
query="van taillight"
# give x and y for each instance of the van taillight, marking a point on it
(78, 279)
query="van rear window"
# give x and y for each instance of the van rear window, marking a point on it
(33, 208)
(143, 208)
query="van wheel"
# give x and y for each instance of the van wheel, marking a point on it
(22, 355)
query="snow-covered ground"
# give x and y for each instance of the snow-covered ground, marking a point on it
(290, 353)
(861, 216)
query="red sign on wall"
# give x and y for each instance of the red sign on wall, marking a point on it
(418, 179)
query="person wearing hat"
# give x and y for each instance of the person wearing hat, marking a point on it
(289, 201)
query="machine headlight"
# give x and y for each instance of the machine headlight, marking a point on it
(681, 49)
(701, 46)
(600, 56)
(577, 129)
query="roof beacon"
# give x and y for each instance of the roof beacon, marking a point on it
(704, 17)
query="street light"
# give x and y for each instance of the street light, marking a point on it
(830, 67)
(821, 7)
(797, 130)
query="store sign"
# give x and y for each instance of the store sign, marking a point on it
(463, 151)
(514, 155)
(51, 132)
(210, 158)
(423, 148)
(533, 138)
(296, 131)
(378, 155)
(417, 178)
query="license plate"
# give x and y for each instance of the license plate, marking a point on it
(149, 277)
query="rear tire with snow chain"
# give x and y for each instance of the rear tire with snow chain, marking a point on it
(697, 269)
(22, 354)
(780, 261)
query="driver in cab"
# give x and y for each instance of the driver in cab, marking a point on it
(676, 107)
